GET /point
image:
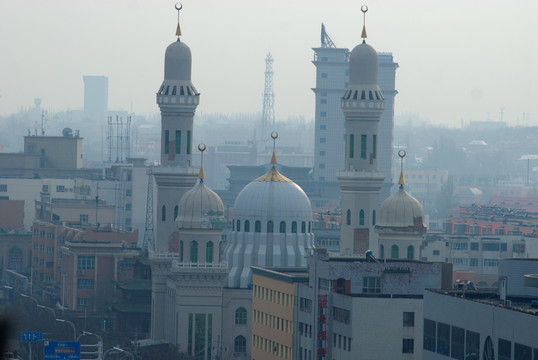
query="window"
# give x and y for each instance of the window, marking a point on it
(303, 227)
(3, 188)
(381, 251)
(282, 227)
(429, 335)
(490, 247)
(373, 218)
(181, 250)
(166, 144)
(323, 127)
(363, 146)
(323, 114)
(322, 140)
(240, 345)
(176, 212)
(294, 229)
(269, 226)
(323, 101)
(305, 305)
(60, 188)
(324, 75)
(394, 252)
(443, 339)
(163, 213)
(258, 226)
(474, 246)
(361, 217)
(457, 343)
(247, 226)
(351, 146)
(178, 141)
(410, 252)
(194, 252)
(435, 252)
(128, 192)
(238, 226)
(374, 145)
(472, 345)
(128, 207)
(241, 316)
(408, 346)
(322, 166)
(209, 252)
(45, 188)
(84, 302)
(490, 262)
(322, 153)
(504, 349)
(341, 315)
(85, 283)
(408, 319)
(86, 262)
(474, 262)
(371, 285)
(522, 352)
(188, 142)
(348, 217)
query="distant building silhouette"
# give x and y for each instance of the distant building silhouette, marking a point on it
(95, 97)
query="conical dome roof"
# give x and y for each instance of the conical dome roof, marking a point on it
(400, 210)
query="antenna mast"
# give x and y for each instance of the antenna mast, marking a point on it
(268, 112)
(149, 237)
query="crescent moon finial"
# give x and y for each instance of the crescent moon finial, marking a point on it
(178, 6)
(364, 9)
(202, 147)
(401, 154)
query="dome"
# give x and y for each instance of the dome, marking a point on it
(273, 196)
(200, 208)
(363, 65)
(400, 210)
(177, 62)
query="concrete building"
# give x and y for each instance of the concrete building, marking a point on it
(332, 80)
(484, 325)
(95, 98)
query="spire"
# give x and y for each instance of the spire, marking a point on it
(401, 154)
(178, 7)
(274, 135)
(201, 174)
(364, 9)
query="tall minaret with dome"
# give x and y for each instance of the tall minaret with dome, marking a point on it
(177, 99)
(360, 181)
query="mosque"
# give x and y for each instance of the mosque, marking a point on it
(202, 300)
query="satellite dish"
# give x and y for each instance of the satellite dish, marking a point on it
(67, 132)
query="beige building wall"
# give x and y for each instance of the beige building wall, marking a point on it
(57, 152)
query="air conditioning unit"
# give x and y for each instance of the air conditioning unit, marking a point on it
(81, 272)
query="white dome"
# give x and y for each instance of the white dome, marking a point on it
(200, 208)
(400, 210)
(273, 197)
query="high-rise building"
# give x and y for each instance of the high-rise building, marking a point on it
(332, 76)
(360, 181)
(95, 97)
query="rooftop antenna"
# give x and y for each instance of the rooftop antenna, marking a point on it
(364, 9)
(401, 154)
(178, 7)
(201, 174)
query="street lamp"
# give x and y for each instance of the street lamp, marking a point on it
(47, 308)
(73, 325)
(99, 344)
(119, 350)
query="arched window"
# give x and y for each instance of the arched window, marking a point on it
(373, 217)
(394, 252)
(209, 252)
(282, 226)
(181, 250)
(348, 217)
(176, 212)
(241, 316)
(410, 252)
(294, 230)
(303, 227)
(194, 252)
(247, 226)
(310, 226)
(163, 213)
(240, 345)
(258, 226)
(269, 226)
(233, 225)
(381, 251)
(361, 217)
(238, 225)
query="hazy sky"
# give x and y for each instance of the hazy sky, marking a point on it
(458, 59)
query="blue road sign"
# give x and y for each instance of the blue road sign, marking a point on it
(60, 350)
(31, 336)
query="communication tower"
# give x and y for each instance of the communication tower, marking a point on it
(268, 112)
(119, 139)
(149, 236)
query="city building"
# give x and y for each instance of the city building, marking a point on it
(95, 98)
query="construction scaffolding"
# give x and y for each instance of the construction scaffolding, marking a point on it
(119, 139)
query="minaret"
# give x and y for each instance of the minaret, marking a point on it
(360, 181)
(177, 98)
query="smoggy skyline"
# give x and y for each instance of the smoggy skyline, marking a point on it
(458, 60)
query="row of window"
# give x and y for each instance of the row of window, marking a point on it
(305, 305)
(86, 262)
(372, 95)
(343, 343)
(341, 315)
(236, 226)
(305, 354)
(189, 90)
(272, 347)
(361, 217)
(395, 252)
(305, 330)
(364, 146)
(193, 252)
(273, 296)
(273, 321)
(177, 142)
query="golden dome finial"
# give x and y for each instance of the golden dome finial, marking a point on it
(274, 135)
(364, 9)
(201, 174)
(401, 154)
(178, 7)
